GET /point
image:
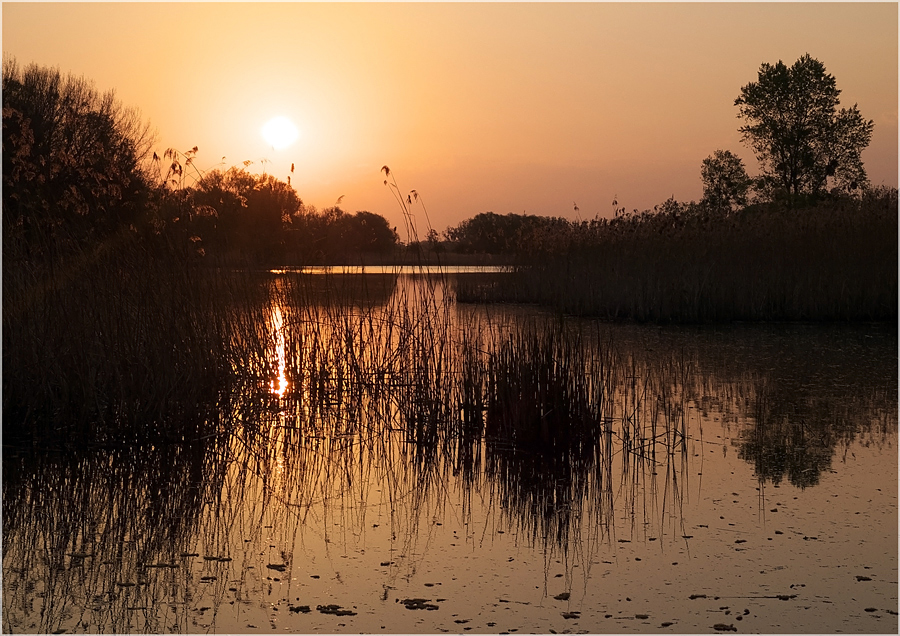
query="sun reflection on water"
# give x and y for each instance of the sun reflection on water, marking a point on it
(280, 384)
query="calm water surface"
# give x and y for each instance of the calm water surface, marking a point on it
(737, 478)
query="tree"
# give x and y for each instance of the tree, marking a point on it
(251, 211)
(332, 235)
(370, 232)
(798, 135)
(434, 241)
(725, 180)
(489, 233)
(73, 159)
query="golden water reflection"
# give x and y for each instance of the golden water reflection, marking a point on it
(279, 385)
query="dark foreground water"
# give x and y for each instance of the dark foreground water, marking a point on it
(740, 478)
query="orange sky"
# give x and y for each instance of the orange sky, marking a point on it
(506, 107)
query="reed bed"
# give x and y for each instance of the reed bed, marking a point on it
(118, 344)
(525, 405)
(836, 261)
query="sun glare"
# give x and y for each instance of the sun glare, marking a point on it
(279, 132)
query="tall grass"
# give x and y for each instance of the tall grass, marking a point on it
(118, 343)
(835, 261)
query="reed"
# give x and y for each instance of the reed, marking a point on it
(102, 531)
(118, 344)
(835, 261)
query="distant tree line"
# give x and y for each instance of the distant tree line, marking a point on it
(78, 169)
(490, 233)
(261, 218)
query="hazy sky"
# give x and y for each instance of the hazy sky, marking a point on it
(512, 107)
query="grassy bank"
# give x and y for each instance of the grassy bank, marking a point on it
(835, 261)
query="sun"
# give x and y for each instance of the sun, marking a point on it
(279, 132)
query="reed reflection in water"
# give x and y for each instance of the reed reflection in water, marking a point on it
(401, 431)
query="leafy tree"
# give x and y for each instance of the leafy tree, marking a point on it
(434, 241)
(332, 235)
(490, 233)
(271, 203)
(798, 135)
(487, 233)
(725, 180)
(73, 160)
(250, 212)
(370, 232)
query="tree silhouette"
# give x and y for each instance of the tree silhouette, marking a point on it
(72, 160)
(251, 211)
(798, 135)
(490, 233)
(725, 181)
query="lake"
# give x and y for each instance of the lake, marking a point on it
(414, 465)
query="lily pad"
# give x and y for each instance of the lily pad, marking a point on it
(418, 604)
(335, 610)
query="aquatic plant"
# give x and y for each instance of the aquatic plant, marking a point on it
(106, 530)
(680, 263)
(120, 344)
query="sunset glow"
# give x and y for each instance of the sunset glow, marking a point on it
(503, 107)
